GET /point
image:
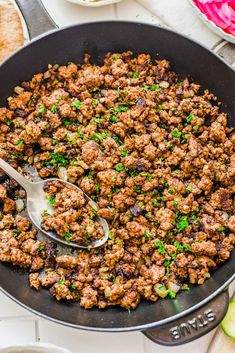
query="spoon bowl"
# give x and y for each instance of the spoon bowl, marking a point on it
(37, 202)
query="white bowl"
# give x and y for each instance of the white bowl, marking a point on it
(94, 3)
(212, 25)
(34, 348)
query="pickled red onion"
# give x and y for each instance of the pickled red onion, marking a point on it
(221, 12)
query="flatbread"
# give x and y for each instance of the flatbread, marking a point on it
(11, 30)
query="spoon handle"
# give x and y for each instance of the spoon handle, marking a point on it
(27, 185)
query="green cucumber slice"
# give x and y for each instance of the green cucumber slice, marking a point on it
(228, 323)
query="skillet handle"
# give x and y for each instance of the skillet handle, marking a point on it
(36, 17)
(192, 326)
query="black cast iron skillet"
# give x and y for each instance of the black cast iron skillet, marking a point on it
(167, 321)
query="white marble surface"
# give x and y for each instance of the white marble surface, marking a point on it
(18, 325)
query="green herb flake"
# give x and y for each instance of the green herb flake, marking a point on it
(73, 287)
(154, 87)
(182, 223)
(188, 247)
(115, 57)
(42, 109)
(19, 143)
(190, 188)
(178, 246)
(113, 119)
(189, 118)
(61, 281)
(221, 229)
(99, 136)
(135, 75)
(67, 122)
(54, 108)
(98, 187)
(80, 134)
(160, 245)
(195, 128)
(148, 235)
(51, 200)
(58, 159)
(16, 233)
(95, 102)
(171, 294)
(110, 235)
(41, 248)
(155, 203)
(176, 133)
(68, 236)
(124, 153)
(76, 104)
(119, 168)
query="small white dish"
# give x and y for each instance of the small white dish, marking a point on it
(94, 3)
(212, 25)
(34, 348)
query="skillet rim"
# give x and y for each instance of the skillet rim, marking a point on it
(60, 29)
(184, 313)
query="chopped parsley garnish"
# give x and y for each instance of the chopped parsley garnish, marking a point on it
(116, 57)
(80, 134)
(148, 234)
(135, 75)
(176, 133)
(154, 87)
(95, 102)
(61, 281)
(54, 108)
(188, 247)
(98, 187)
(160, 245)
(16, 233)
(221, 229)
(171, 294)
(178, 246)
(182, 223)
(19, 143)
(51, 200)
(73, 287)
(155, 203)
(99, 136)
(42, 109)
(124, 153)
(68, 236)
(189, 118)
(110, 235)
(113, 119)
(119, 168)
(195, 128)
(58, 159)
(190, 188)
(67, 122)
(167, 263)
(41, 248)
(77, 104)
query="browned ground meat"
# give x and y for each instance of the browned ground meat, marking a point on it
(154, 153)
(73, 217)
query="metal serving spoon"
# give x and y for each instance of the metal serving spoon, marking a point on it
(37, 203)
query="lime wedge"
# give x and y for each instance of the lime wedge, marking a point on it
(228, 323)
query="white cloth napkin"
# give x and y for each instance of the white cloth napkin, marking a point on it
(179, 15)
